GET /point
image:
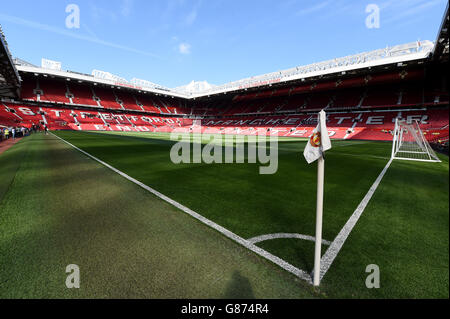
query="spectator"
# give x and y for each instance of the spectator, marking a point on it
(13, 133)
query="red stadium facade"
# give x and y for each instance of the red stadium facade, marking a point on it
(360, 107)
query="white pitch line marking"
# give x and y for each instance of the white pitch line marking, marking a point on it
(261, 238)
(261, 252)
(332, 251)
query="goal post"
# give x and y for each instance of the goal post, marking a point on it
(409, 143)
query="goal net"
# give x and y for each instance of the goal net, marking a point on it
(409, 143)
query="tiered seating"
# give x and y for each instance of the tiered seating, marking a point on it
(138, 120)
(129, 102)
(7, 118)
(59, 119)
(437, 119)
(412, 96)
(364, 125)
(238, 108)
(60, 91)
(26, 115)
(281, 92)
(108, 118)
(148, 104)
(272, 105)
(318, 101)
(347, 98)
(59, 115)
(82, 94)
(121, 119)
(165, 106)
(372, 134)
(436, 135)
(87, 117)
(295, 103)
(182, 109)
(372, 125)
(381, 97)
(27, 90)
(351, 103)
(107, 98)
(53, 91)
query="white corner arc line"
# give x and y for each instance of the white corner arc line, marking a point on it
(261, 252)
(261, 238)
(332, 251)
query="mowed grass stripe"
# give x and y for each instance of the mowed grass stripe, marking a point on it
(64, 208)
(9, 163)
(225, 191)
(249, 245)
(399, 246)
(236, 196)
(405, 231)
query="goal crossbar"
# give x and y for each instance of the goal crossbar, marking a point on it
(409, 143)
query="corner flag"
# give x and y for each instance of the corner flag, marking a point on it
(319, 141)
(317, 144)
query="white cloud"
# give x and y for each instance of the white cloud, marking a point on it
(99, 14)
(190, 18)
(74, 35)
(184, 48)
(126, 7)
(416, 9)
(312, 9)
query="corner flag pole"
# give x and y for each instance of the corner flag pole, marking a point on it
(318, 143)
(319, 214)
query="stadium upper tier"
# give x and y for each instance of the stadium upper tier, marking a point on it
(396, 55)
(401, 88)
(359, 106)
(390, 55)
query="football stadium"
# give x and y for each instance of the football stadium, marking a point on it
(115, 188)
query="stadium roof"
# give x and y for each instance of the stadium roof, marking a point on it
(9, 77)
(441, 48)
(396, 55)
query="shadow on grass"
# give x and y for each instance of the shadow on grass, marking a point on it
(239, 287)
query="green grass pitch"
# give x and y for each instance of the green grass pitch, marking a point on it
(58, 207)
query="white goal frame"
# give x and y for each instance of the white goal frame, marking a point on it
(417, 148)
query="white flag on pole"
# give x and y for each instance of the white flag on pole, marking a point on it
(319, 141)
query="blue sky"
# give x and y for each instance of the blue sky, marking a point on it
(172, 42)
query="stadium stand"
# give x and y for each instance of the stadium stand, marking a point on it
(361, 104)
(371, 125)
(127, 100)
(147, 104)
(28, 90)
(106, 98)
(82, 94)
(53, 91)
